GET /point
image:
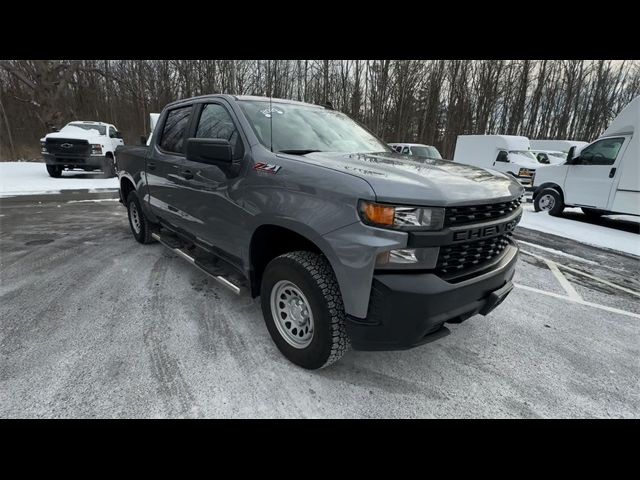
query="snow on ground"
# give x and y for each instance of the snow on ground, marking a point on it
(28, 178)
(588, 233)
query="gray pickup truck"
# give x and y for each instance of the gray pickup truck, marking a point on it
(346, 242)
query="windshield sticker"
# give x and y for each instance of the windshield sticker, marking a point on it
(268, 111)
(267, 167)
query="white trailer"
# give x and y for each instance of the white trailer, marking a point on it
(505, 153)
(602, 177)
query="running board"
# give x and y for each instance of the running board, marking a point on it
(238, 290)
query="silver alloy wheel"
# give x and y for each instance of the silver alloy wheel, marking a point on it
(135, 217)
(292, 314)
(547, 202)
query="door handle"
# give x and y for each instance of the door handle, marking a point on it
(151, 166)
(187, 174)
(612, 172)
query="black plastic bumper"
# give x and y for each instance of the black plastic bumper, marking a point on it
(407, 310)
(90, 161)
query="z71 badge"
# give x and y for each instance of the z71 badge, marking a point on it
(266, 167)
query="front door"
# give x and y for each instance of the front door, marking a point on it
(592, 174)
(217, 219)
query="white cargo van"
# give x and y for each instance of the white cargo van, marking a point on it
(505, 153)
(602, 177)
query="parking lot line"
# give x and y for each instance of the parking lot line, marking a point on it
(580, 301)
(571, 292)
(580, 272)
(557, 252)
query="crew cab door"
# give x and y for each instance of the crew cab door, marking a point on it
(165, 163)
(591, 175)
(216, 219)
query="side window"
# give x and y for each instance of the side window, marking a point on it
(603, 152)
(112, 132)
(173, 131)
(215, 122)
(503, 156)
(405, 150)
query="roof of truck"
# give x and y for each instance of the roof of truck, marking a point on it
(243, 98)
(510, 142)
(626, 121)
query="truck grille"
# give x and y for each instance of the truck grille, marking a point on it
(478, 213)
(458, 258)
(63, 147)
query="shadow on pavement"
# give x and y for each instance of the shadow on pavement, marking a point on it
(604, 221)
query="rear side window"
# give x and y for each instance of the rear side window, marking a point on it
(215, 122)
(405, 150)
(172, 139)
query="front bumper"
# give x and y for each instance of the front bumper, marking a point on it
(84, 161)
(409, 309)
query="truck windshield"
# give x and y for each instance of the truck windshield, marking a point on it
(301, 129)
(524, 153)
(88, 126)
(426, 151)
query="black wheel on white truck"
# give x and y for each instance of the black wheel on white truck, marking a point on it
(303, 309)
(549, 200)
(55, 171)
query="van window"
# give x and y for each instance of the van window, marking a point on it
(215, 122)
(174, 127)
(405, 150)
(602, 152)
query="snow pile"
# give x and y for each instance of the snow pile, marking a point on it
(590, 234)
(29, 178)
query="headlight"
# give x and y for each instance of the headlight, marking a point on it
(43, 147)
(422, 258)
(401, 217)
(96, 149)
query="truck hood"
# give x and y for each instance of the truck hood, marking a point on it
(93, 136)
(403, 179)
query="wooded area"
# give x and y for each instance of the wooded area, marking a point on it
(424, 101)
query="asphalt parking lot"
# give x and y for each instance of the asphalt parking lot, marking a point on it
(94, 324)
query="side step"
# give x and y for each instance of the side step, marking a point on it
(223, 280)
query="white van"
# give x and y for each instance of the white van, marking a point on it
(505, 153)
(602, 177)
(556, 145)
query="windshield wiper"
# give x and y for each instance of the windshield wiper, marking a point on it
(298, 152)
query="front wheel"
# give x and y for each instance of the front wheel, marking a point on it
(303, 309)
(549, 200)
(55, 171)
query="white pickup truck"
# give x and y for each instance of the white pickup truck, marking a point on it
(85, 145)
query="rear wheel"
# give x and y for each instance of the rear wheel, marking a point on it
(141, 227)
(303, 309)
(549, 200)
(55, 171)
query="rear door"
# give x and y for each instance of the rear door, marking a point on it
(165, 164)
(590, 180)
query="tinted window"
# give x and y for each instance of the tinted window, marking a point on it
(405, 150)
(173, 131)
(603, 152)
(215, 122)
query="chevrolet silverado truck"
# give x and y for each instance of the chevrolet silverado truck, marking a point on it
(346, 242)
(85, 145)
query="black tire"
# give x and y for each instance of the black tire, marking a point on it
(142, 228)
(592, 212)
(55, 171)
(312, 274)
(109, 167)
(549, 200)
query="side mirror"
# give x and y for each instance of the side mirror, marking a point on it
(143, 140)
(503, 157)
(571, 155)
(209, 150)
